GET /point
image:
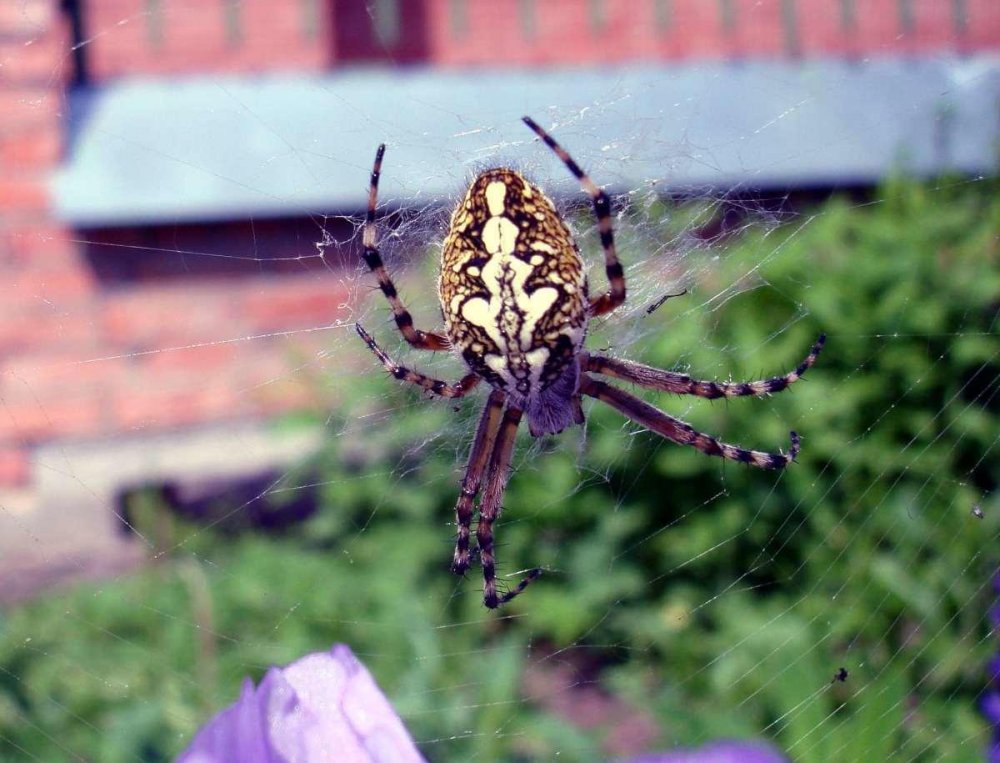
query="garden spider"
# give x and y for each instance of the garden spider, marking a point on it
(514, 298)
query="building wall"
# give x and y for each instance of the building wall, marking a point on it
(166, 37)
(36, 264)
(94, 342)
(574, 31)
(158, 37)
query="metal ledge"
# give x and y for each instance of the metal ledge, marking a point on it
(163, 151)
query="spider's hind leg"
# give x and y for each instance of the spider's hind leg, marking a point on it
(482, 445)
(681, 433)
(532, 575)
(497, 475)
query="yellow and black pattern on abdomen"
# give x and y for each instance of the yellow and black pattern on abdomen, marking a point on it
(513, 289)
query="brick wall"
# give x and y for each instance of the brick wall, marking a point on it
(130, 37)
(88, 353)
(581, 31)
(38, 268)
(159, 37)
(82, 358)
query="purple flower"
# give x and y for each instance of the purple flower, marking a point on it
(993, 671)
(990, 702)
(324, 706)
(726, 751)
(990, 705)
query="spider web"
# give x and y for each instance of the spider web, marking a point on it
(839, 609)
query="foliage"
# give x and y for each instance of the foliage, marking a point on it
(722, 601)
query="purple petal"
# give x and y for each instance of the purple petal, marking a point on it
(993, 671)
(725, 751)
(993, 751)
(324, 706)
(990, 705)
(993, 615)
(237, 731)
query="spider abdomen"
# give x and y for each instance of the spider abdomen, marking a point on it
(514, 294)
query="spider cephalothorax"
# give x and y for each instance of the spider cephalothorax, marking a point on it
(515, 303)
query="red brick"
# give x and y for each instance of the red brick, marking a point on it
(982, 29)
(22, 18)
(301, 303)
(821, 31)
(15, 466)
(877, 25)
(43, 59)
(42, 247)
(114, 9)
(71, 414)
(159, 317)
(53, 328)
(194, 36)
(29, 150)
(192, 363)
(760, 29)
(163, 407)
(49, 286)
(45, 372)
(19, 195)
(119, 37)
(29, 109)
(934, 27)
(167, 389)
(57, 280)
(288, 392)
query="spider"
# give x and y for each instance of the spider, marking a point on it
(515, 303)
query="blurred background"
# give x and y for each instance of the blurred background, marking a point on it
(204, 473)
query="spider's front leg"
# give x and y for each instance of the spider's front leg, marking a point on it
(423, 340)
(615, 295)
(682, 384)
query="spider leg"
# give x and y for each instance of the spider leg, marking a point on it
(676, 430)
(615, 294)
(486, 435)
(424, 340)
(682, 384)
(497, 475)
(430, 384)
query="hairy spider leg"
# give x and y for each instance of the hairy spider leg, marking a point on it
(486, 435)
(497, 474)
(662, 300)
(423, 340)
(676, 430)
(615, 295)
(430, 384)
(682, 384)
